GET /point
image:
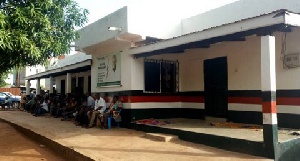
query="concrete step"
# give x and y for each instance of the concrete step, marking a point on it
(161, 137)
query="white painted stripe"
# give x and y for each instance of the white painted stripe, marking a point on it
(244, 107)
(288, 109)
(258, 108)
(270, 118)
(148, 105)
(192, 105)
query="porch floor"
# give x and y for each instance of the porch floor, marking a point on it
(203, 126)
(244, 140)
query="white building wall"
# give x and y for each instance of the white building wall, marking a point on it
(288, 78)
(58, 83)
(244, 65)
(32, 70)
(98, 31)
(58, 79)
(10, 79)
(236, 11)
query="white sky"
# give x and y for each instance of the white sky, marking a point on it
(178, 9)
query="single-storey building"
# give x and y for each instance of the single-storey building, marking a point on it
(67, 76)
(239, 62)
(214, 67)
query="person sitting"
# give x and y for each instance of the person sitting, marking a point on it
(81, 115)
(99, 109)
(43, 108)
(30, 105)
(61, 107)
(67, 112)
(114, 108)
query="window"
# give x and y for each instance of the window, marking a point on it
(161, 76)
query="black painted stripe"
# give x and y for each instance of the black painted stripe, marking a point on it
(288, 93)
(268, 96)
(270, 139)
(244, 93)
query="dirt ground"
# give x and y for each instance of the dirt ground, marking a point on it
(16, 147)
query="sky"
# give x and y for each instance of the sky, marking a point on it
(173, 9)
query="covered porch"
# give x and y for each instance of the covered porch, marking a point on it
(68, 76)
(253, 73)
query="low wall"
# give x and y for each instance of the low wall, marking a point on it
(14, 91)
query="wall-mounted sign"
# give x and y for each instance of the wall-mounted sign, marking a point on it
(109, 70)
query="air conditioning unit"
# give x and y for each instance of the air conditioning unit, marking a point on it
(291, 60)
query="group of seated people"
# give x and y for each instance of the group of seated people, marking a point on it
(87, 111)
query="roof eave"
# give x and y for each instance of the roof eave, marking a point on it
(272, 19)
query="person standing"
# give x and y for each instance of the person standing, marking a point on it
(99, 109)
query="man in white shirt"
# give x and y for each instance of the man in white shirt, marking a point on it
(90, 100)
(99, 108)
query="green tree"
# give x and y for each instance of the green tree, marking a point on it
(3, 76)
(32, 31)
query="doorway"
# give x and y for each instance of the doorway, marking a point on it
(216, 87)
(63, 87)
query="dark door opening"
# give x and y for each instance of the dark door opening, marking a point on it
(89, 84)
(216, 87)
(79, 89)
(73, 85)
(62, 87)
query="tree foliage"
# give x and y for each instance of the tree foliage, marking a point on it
(32, 31)
(3, 77)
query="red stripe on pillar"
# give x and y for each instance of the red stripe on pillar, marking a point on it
(269, 107)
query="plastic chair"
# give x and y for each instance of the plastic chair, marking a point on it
(115, 114)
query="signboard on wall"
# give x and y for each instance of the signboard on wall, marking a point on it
(109, 70)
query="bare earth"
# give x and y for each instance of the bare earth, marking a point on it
(16, 147)
(104, 145)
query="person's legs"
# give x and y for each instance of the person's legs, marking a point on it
(94, 115)
(89, 114)
(105, 118)
(36, 111)
(58, 111)
(8, 105)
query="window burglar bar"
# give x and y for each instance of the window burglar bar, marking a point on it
(161, 76)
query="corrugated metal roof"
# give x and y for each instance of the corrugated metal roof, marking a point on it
(70, 60)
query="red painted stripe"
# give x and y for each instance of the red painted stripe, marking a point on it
(269, 107)
(137, 99)
(200, 99)
(245, 100)
(288, 101)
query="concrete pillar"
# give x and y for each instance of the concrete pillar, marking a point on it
(51, 85)
(28, 88)
(85, 83)
(68, 82)
(268, 94)
(38, 87)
